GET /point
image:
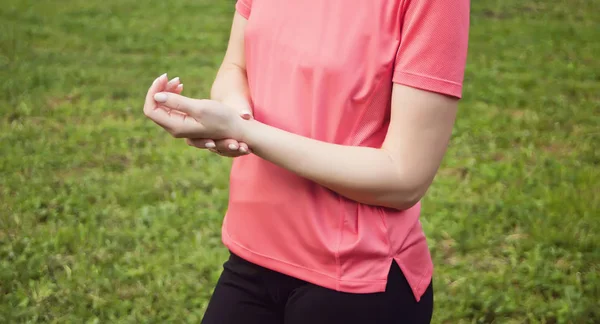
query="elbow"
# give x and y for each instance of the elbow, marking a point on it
(399, 198)
(407, 200)
(405, 187)
(408, 188)
(406, 197)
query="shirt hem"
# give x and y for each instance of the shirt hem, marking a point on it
(418, 289)
(302, 273)
(243, 9)
(428, 83)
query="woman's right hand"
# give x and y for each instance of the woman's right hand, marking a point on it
(225, 147)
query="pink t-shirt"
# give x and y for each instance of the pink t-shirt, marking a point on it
(325, 69)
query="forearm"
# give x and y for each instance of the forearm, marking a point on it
(231, 87)
(367, 175)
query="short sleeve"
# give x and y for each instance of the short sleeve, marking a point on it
(244, 7)
(433, 45)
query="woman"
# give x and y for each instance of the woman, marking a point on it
(339, 113)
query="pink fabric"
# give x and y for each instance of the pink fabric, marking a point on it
(324, 69)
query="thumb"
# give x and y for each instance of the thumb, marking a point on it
(178, 102)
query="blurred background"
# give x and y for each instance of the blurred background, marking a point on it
(104, 218)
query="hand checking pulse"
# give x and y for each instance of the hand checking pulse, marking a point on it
(206, 124)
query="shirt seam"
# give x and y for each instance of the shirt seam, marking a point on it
(419, 285)
(301, 267)
(338, 266)
(429, 77)
(387, 234)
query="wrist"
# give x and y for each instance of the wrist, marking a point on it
(248, 130)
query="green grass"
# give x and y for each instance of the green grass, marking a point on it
(106, 219)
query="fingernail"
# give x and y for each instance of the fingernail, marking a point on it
(210, 145)
(232, 147)
(160, 97)
(164, 76)
(246, 115)
(243, 149)
(176, 79)
(180, 86)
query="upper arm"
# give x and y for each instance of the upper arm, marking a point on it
(235, 53)
(230, 82)
(420, 127)
(427, 80)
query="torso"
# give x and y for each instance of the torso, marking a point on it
(322, 69)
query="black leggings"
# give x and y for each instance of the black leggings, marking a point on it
(247, 294)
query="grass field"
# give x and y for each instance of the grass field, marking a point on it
(104, 218)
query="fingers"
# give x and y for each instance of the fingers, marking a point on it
(179, 103)
(176, 123)
(173, 85)
(162, 82)
(244, 148)
(156, 86)
(227, 148)
(231, 146)
(201, 143)
(179, 124)
(227, 145)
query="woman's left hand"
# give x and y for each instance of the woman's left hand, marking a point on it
(185, 117)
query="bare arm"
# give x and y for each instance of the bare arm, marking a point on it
(396, 175)
(231, 85)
